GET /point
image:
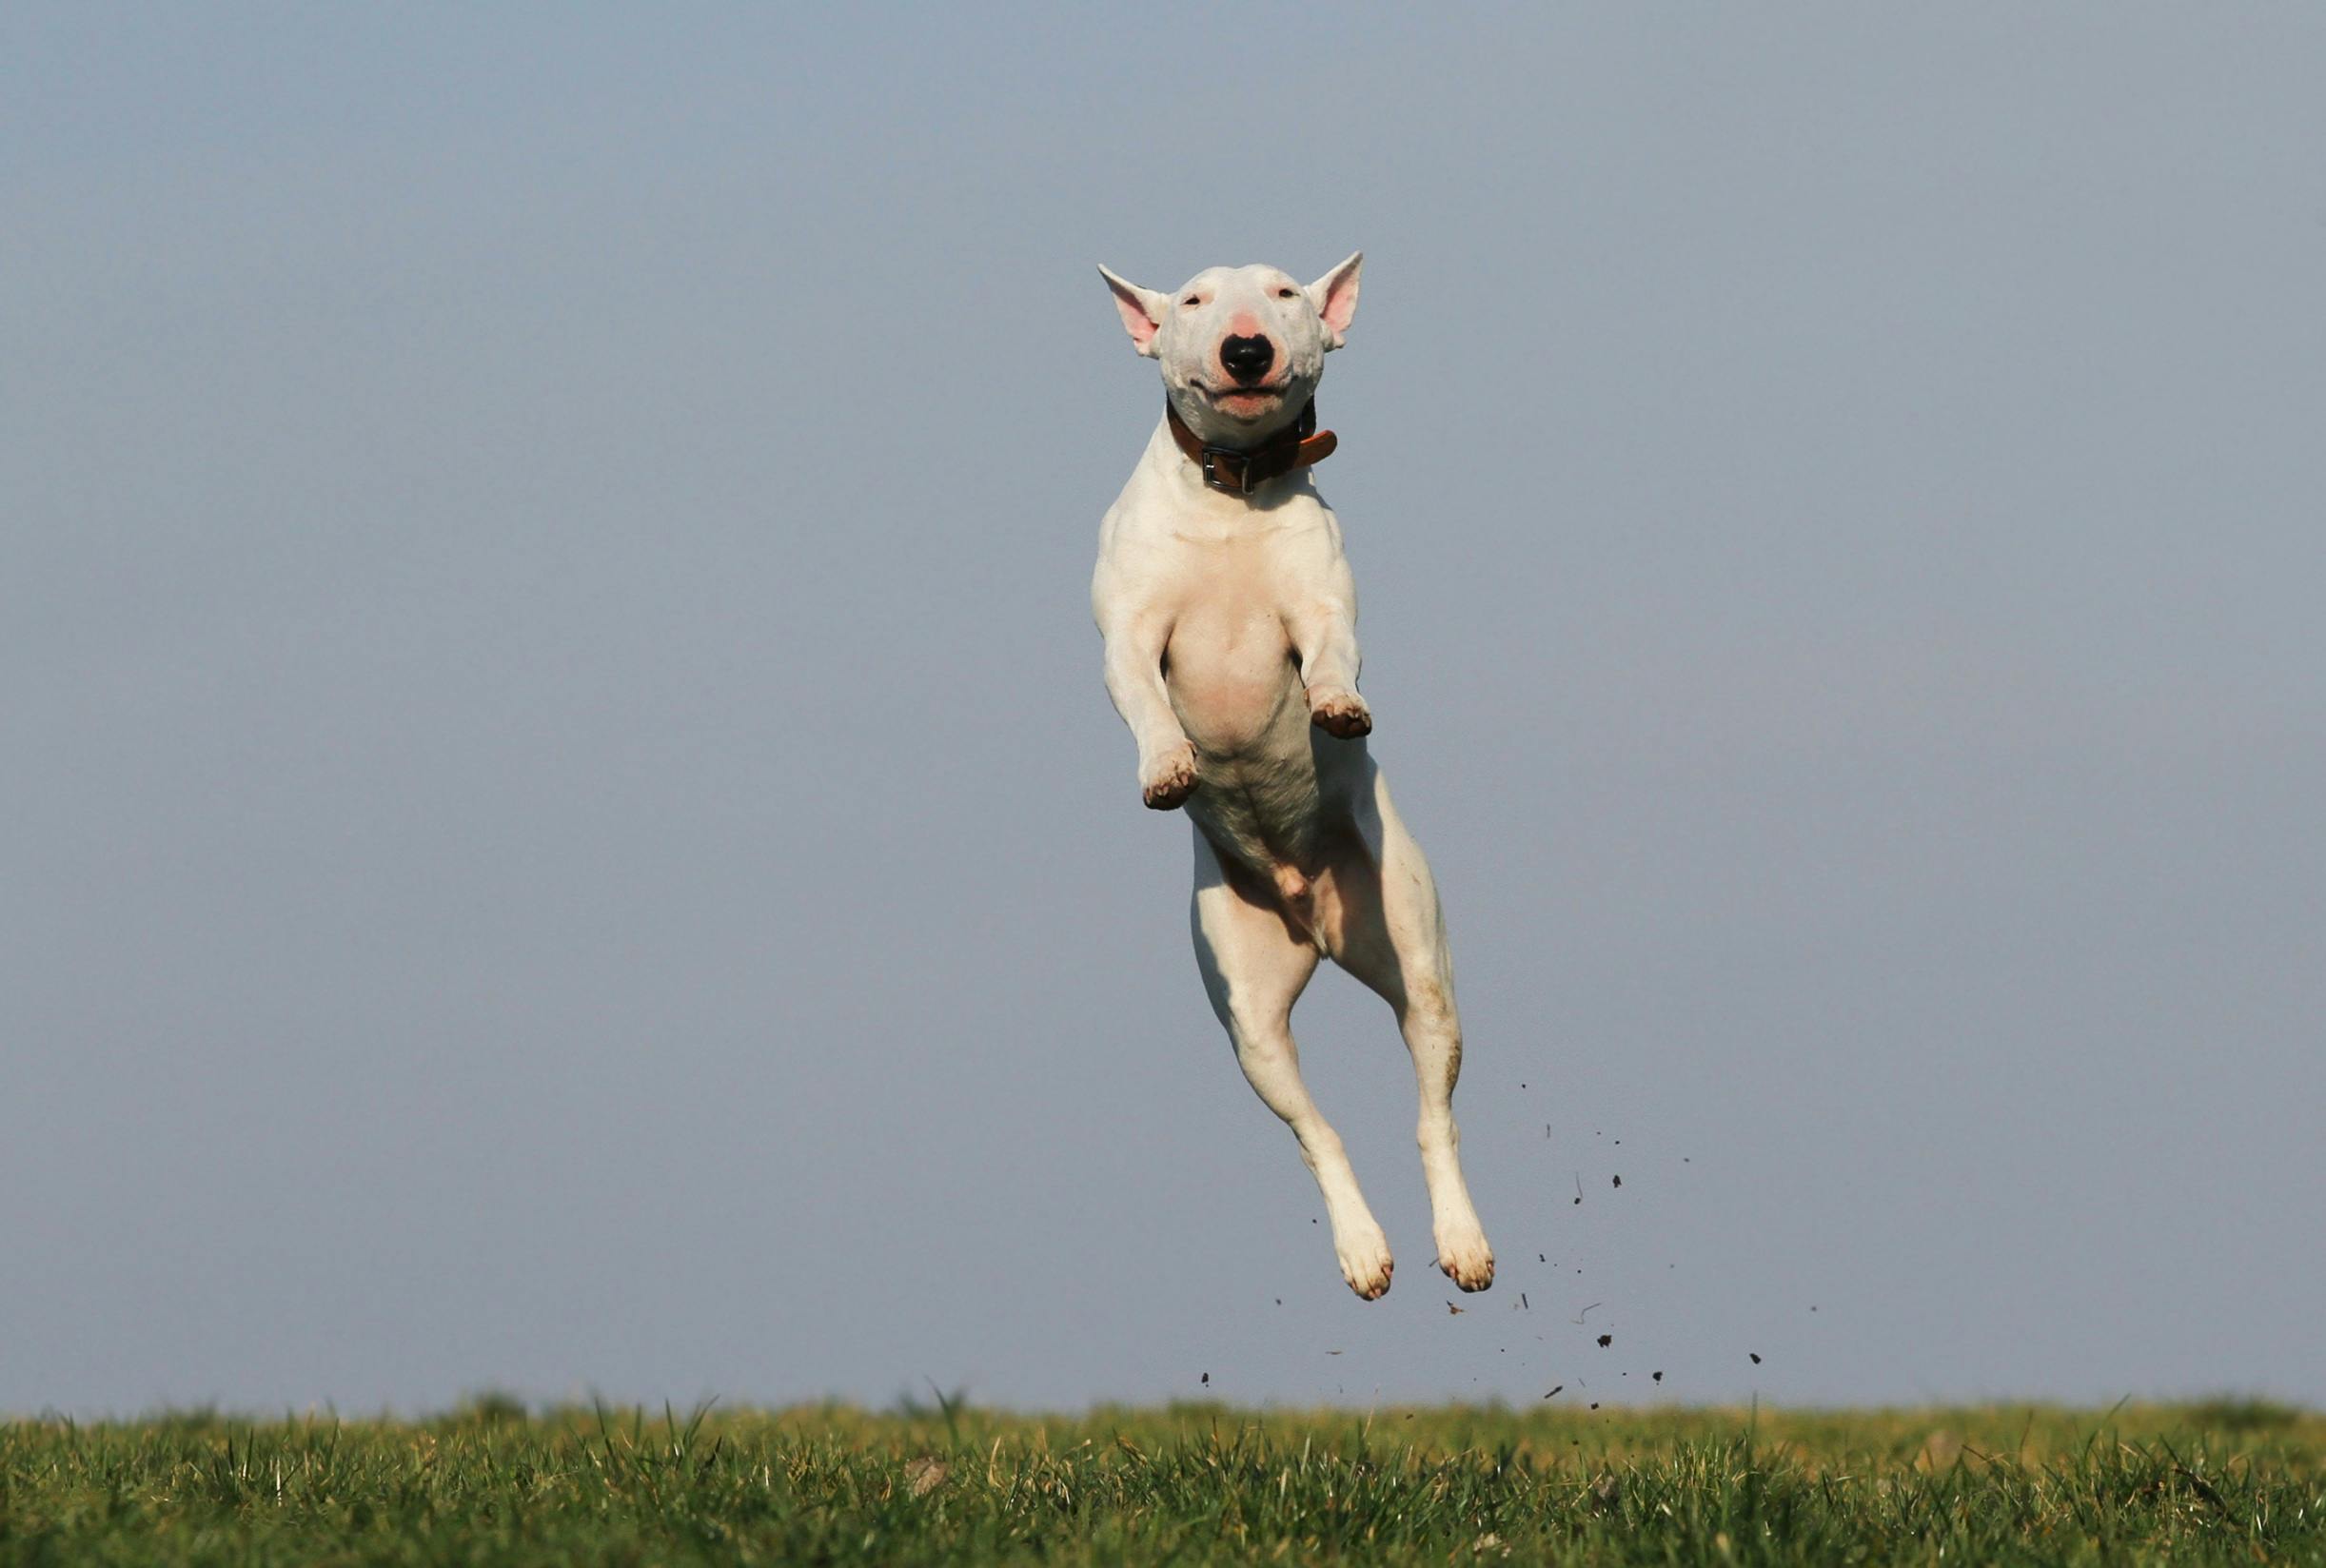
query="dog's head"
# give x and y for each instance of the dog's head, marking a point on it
(1243, 347)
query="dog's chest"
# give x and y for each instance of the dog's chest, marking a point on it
(1229, 664)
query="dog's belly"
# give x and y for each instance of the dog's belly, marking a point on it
(1265, 811)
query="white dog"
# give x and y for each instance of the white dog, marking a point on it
(1230, 619)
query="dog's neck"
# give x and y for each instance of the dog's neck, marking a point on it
(1238, 470)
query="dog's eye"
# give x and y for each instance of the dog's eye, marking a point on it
(1288, 293)
(1192, 299)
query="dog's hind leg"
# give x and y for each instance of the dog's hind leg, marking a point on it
(1391, 935)
(1256, 965)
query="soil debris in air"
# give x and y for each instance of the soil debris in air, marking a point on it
(1606, 1340)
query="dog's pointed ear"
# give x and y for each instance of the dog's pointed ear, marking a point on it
(1142, 311)
(1336, 298)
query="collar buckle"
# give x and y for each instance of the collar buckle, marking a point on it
(1208, 459)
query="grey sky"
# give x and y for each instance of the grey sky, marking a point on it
(563, 830)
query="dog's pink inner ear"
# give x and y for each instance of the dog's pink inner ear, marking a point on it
(1140, 311)
(1136, 322)
(1336, 294)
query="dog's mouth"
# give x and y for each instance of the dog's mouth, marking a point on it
(1238, 394)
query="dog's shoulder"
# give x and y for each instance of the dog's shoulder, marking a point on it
(1145, 512)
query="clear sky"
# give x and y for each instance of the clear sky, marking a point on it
(563, 832)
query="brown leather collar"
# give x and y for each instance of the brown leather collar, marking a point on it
(1236, 471)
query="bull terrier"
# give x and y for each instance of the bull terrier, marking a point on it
(1230, 617)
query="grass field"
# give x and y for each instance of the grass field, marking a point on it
(2227, 1483)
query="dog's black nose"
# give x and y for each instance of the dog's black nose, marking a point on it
(1246, 359)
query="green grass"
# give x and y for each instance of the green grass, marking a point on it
(2224, 1482)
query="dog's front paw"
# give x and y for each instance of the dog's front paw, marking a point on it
(1339, 711)
(1166, 782)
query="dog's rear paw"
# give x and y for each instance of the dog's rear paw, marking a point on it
(1467, 1260)
(1339, 712)
(1365, 1264)
(1166, 782)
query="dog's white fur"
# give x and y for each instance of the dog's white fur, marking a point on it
(1232, 654)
